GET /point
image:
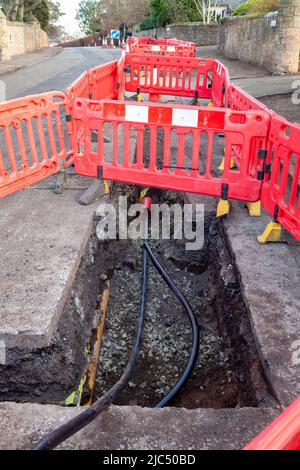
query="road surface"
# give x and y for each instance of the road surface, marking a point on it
(57, 72)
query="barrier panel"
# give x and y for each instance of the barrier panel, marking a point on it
(32, 140)
(106, 81)
(281, 188)
(120, 79)
(220, 86)
(103, 82)
(162, 47)
(177, 126)
(80, 88)
(240, 100)
(170, 75)
(282, 434)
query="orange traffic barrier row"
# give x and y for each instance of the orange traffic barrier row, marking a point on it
(162, 47)
(264, 146)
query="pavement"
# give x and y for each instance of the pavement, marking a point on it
(270, 278)
(28, 59)
(255, 80)
(52, 69)
(29, 220)
(133, 428)
(39, 261)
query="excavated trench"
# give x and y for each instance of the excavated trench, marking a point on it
(228, 372)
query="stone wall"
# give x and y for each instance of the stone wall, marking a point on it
(250, 40)
(201, 34)
(17, 38)
(271, 42)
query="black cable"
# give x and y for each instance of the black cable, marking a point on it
(73, 426)
(76, 424)
(194, 324)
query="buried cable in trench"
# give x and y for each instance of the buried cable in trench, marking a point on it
(72, 427)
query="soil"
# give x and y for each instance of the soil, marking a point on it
(51, 374)
(228, 372)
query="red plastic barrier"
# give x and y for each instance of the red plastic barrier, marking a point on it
(170, 75)
(281, 191)
(240, 100)
(162, 47)
(32, 140)
(282, 434)
(182, 124)
(220, 85)
(80, 88)
(106, 81)
(103, 81)
(120, 79)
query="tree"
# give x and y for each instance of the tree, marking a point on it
(89, 16)
(206, 9)
(102, 15)
(47, 12)
(163, 12)
(116, 12)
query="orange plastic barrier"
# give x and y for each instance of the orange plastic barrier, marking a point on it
(32, 140)
(220, 86)
(240, 100)
(282, 434)
(170, 75)
(80, 88)
(107, 81)
(179, 125)
(103, 82)
(281, 191)
(162, 47)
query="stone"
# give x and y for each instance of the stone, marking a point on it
(134, 428)
(96, 190)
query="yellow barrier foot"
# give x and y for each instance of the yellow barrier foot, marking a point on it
(211, 105)
(106, 187)
(254, 209)
(222, 166)
(271, 234)
(223, 208)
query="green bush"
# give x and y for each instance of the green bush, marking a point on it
(242, 10)
(256, 7)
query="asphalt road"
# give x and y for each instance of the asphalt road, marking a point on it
(56, 73)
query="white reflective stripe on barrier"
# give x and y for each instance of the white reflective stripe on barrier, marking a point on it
(185, 117)
(137, 114)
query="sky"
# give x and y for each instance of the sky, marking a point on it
(68, 21)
